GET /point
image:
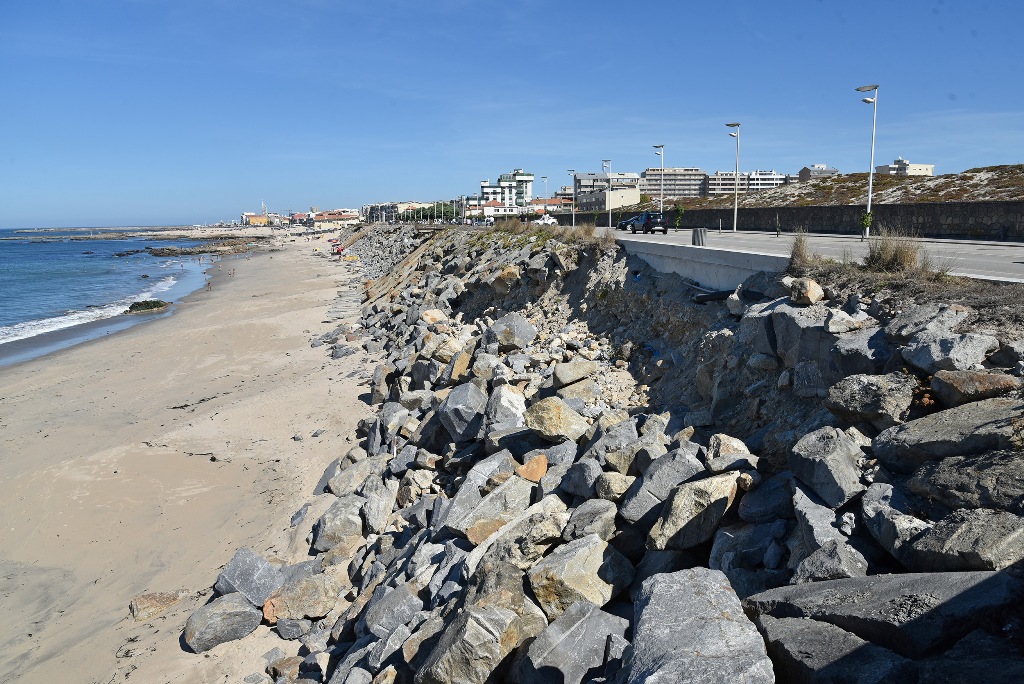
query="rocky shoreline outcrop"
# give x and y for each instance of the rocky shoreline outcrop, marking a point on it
(576, 473)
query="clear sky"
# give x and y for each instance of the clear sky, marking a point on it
(152, 112)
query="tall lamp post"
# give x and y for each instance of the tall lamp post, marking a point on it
(545, 179)
(608, 192)
(572, 174)
(736, 180)
(873, 101)
(660, 151)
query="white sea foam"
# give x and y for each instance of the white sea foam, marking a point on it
(21, 331)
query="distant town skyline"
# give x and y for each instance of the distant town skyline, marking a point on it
(122, 112)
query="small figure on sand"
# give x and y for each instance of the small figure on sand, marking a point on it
(209, 286)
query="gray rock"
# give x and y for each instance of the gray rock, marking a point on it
(225, 619)
(595, 516)
(689, 626)
(770, 500)
(933, 317)
(861, 351)
(812, 651)
(815, 524)
(506, 406)
(586, 569)
(970, 539)
(462, 412)
(570, 648)
(979, 652)
(882, 400)
(886, 512)
(288, 628)
(930, 352)
(643, 500)
(387, 610)
(342, 523)
(497, 617)
(693, 512)
(954, 388)
(251, 575)
(800, 334)
(349, 477)
(581, 478)
(969, 429)
(511, 331)
(380, 500)
(613, 486)
(827, 461)
(744, 546)
(911, 614)
(496, 509)
(574, 371)
(994, 479)
(834, 560)
(525, 539)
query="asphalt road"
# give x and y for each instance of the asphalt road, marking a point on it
(993, 260)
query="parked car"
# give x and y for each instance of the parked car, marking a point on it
(649, 222)
(624, 224)
(546, 220)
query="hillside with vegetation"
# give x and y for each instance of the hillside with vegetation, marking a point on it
(988, 183)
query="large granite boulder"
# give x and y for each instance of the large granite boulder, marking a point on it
(911, 614)
(462, 412)
(994, 479)
(586, 569)
(553, 420)
(828, 462)
(969, 429)
(224, 619)
(693, 512)
(689, 627)
(882, 400)
(341, 524)
(303, 597)
(643, 500)
(956, 387)
(511, 331)
(930, 352)
(970, 539)
(251, 575)
(770, 500)
(887, 515)
(506, 406)
(813, 651)
(571, 649)
(932, 318)
(496, 618)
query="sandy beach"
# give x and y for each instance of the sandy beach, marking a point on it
(140, 462)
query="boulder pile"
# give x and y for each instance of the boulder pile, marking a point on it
(524, 508)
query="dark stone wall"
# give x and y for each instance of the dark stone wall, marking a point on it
(978, 220)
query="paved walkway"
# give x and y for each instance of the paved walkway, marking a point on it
(1003, 261)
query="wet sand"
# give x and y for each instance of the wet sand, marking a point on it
(139, 462)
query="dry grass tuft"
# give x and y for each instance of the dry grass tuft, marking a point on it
(800, 257)
(581, 234)
(893, 251)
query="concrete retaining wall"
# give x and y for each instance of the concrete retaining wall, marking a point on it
(715, 269)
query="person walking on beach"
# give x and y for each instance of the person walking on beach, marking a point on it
(209, 286)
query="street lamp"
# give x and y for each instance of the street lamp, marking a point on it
(736, 186)
(545, 179)
(873, 101)
(572, 173)
(660, 151)
(608, 192)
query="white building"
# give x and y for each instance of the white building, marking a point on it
(514, 189)
(762, 180)
(724, 183)
(901, 167)
(678, 182)
(589, 182)
(604, 200)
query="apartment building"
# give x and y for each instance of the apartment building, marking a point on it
(590, 182)
(513, 189)
(763, 180)
(678, 182)
(901, 167)
(725, 183)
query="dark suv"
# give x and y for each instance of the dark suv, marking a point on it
(649, 222)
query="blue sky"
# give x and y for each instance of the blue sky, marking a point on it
(152, 112)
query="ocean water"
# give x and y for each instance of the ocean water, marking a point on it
(55, 291)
